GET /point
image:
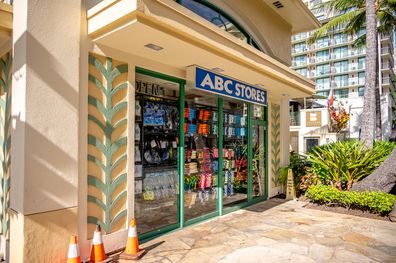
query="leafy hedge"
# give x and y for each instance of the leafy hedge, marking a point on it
(341, 164)
(375, 202)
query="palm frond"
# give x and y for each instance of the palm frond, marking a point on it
(333, 24)
(339, 5)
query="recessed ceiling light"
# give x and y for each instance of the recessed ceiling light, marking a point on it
(154, 47)
(217, 69)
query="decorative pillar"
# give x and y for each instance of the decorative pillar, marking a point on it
(285, 130)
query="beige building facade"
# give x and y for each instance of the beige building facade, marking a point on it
(119, 108)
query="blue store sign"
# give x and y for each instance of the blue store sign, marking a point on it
(222, 85)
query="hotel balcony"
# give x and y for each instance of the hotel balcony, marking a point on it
(386, 51)
(295, 118)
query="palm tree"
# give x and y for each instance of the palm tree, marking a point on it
(354, 14)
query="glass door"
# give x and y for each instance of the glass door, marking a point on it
(258, 159)
(157, 148)
(235, 153)
(201, 155)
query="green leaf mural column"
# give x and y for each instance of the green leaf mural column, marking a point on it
(275, 142)
(5, 140)
(107, 144)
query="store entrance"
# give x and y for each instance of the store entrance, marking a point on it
(201, 156)
(157, 152)
(197, 155)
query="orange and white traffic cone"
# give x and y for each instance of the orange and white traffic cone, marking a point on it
(132, 250)
(97, 249)
(73, 256)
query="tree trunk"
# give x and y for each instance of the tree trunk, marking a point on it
(378, 86)
(383, 179)
(378, 119)
(368, 115)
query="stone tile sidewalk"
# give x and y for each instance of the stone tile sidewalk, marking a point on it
(277, 231)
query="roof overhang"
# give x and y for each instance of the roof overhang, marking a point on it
(5, 25)
(187, 39)
(296, 13)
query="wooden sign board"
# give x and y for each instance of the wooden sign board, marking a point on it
(290, 188)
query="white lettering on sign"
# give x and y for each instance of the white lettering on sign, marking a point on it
(207, 81)
(226, 84)
(212, 82)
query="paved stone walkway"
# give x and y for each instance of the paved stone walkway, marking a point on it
(276, 231)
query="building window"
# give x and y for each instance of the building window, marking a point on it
(311, 143)
(361, 78)
(362, 63)
(323, 93)
(341, 81)
(300, 47)
(322, 42)
(300, 60)
(341, 66)
(341, 93)
(323, 83)
(323, 69)
(361, 32)
(322, 55)
(217, 17)
(340, 38)
(361, 91)
(302, 71)
(340, 52)
(303, 35)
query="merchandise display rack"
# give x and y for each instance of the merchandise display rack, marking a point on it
(201, 164)
(235, 170)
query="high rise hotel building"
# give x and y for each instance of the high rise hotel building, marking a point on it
(334, 63)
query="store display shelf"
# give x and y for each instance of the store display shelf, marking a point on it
(160, 167)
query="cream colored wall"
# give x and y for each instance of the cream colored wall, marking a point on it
(45, 118)
(41, 237)
(45, 105)
(270, 31)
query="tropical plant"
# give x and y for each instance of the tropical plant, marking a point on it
(339, 118)
(341, 164)
(376, 202)
(354, 14)
(299, 165)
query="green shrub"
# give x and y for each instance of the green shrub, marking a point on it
(299, 165)
(341, 164)
(375, 202)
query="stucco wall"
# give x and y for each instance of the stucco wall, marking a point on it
(45, 109)
(266, 27)
(41, 237)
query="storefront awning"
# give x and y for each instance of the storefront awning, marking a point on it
(183, 39)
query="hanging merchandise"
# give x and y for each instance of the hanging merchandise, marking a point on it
(137, 133)
(138, 157)
(138, 170)
(138, 109)
(138, 186)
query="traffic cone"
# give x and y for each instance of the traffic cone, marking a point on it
(97, 249)
(73, 256)
(132, 250)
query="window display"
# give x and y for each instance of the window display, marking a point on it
(201, 159)
(235, 167)
(221, 169)
(156, 171)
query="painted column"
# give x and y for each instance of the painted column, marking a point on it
(285, 131)
(45, 119)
